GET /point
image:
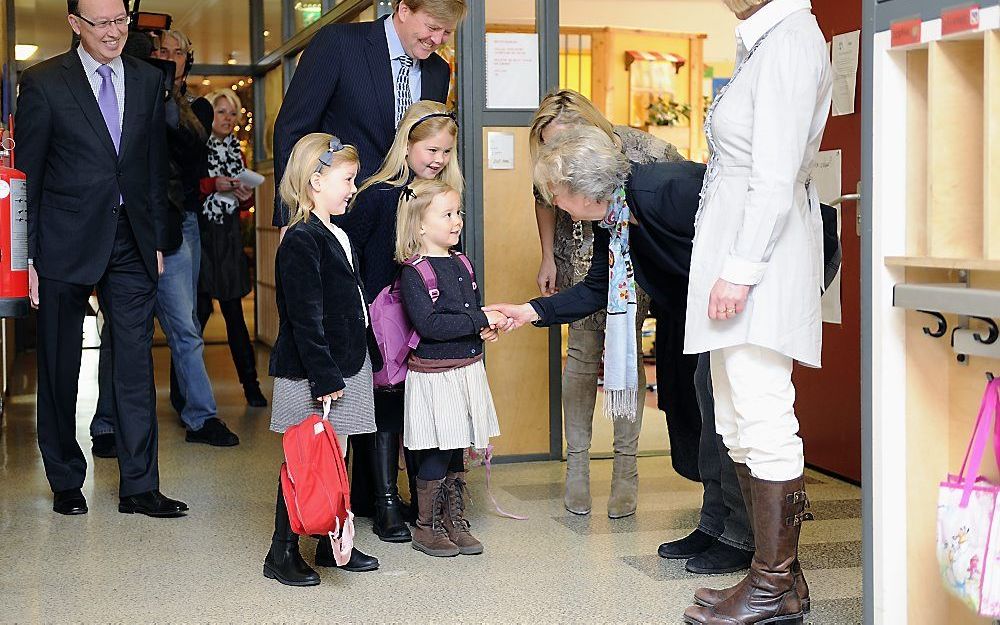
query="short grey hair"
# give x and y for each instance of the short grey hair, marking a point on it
(739, 6)
(585, 160)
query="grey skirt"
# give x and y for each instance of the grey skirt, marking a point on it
(354, 413)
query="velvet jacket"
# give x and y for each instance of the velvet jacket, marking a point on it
(321, 315)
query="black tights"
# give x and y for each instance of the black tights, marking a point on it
(435, 464)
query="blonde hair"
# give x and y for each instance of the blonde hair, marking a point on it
(444, 10)
(410, 213)
(295, 190)
(585, 161)
(229, 95)
(179, 36)
(394, 170)
(739, 6)
(570, 108)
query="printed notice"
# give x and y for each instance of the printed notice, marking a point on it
(846, 50)
(18, 225)
(511, 71)
(827, 176)
(500, 148)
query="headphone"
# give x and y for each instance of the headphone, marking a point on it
(189, 60)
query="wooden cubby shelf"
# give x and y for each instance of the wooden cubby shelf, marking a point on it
(928, 262)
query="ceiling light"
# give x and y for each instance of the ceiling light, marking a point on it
(23, 52)
(206, 83)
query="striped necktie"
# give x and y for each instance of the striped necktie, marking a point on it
(404, 98)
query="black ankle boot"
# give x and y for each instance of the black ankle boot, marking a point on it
(389, 524)
(719, 559)
(255, 399)
(688, 547)
(360, 562)
(284, 562)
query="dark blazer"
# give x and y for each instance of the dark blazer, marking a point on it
(321, 314)
(371, 224)
(664, 198)
(343, 85)
(74, 175)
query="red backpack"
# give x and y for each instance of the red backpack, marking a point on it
(314, 484)
(394, 333)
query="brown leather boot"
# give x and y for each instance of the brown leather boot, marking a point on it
(768, 594)
(455, 522)
(709, 597)
(430, 535)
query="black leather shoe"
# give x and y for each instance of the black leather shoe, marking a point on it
(687, 547)
(153, 504)
(214, 433)
(69, 502)
(359, 562)
(719, 559)
(285, 564)
(255, 398)
(104, 446)
(388, 524)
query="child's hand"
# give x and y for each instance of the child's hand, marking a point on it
(496, 318)
(334, 396)
(490, 334)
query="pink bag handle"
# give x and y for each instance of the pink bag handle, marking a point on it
(341, 538)
(977, 446)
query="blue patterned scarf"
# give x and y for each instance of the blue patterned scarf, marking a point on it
(621, 375)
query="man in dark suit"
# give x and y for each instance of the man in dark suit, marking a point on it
(91, 139)
(356, 81)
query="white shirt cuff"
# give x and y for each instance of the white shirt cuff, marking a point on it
(738, 270)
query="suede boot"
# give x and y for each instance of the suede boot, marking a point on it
(625, 472)
(388, 524)
(579, 389)
(283, 561)
(768, 594)
(455, 522)
(710, 597)
(430, 535)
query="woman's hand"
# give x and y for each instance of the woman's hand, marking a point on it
(517, 315)
(334, 396)
(224, 184)
(495, 318)
(727, 300)
(547, 277)
(242, 192)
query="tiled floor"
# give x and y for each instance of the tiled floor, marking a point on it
(554, 567)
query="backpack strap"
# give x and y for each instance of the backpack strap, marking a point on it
(423, 267)
(468, 267)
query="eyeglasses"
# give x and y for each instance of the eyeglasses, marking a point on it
(120, 22)
(326, 158)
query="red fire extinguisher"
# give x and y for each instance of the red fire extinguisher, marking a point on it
(13, 234)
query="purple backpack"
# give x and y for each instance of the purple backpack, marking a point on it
(394, 333)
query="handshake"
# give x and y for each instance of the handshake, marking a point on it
(506, 317)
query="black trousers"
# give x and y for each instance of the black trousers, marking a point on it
(237, 334)
(127, 294)
(676, 396)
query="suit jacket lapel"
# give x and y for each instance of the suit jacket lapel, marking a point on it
(79, 86)
(381, 73)
(132, 103)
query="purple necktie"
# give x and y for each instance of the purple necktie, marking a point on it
(108, 102)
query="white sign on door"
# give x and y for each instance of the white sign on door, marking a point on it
(511, 71)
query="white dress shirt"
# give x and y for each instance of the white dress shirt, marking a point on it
(759, 223)
(90, 67)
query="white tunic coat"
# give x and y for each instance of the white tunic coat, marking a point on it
(759, 223)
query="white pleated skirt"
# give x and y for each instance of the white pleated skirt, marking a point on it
(449, 410)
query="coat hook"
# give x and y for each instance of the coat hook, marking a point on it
(989, 376)
(942, 327)
(994, 332)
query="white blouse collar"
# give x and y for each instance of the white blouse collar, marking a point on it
(770, 15)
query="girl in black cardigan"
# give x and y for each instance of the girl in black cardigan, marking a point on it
(325, 350)
(448, 403)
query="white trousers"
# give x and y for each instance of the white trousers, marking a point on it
(755, 411)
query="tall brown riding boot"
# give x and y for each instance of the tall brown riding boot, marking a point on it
(430, 535)
(768, 594)
(709, 597)
(455, 522)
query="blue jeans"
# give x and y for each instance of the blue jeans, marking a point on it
(723, 511)
(175, 310)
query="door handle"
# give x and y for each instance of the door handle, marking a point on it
(851, 197)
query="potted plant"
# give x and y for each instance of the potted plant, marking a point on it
(669, 121)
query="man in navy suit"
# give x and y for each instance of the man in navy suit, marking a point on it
(91, 139)
(356, 81)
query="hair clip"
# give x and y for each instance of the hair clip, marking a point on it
(408, 193)
(450, 114)
(327, 157)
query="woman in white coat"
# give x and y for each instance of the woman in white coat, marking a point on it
(753, 299)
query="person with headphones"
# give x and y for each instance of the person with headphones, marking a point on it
(176, 292)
